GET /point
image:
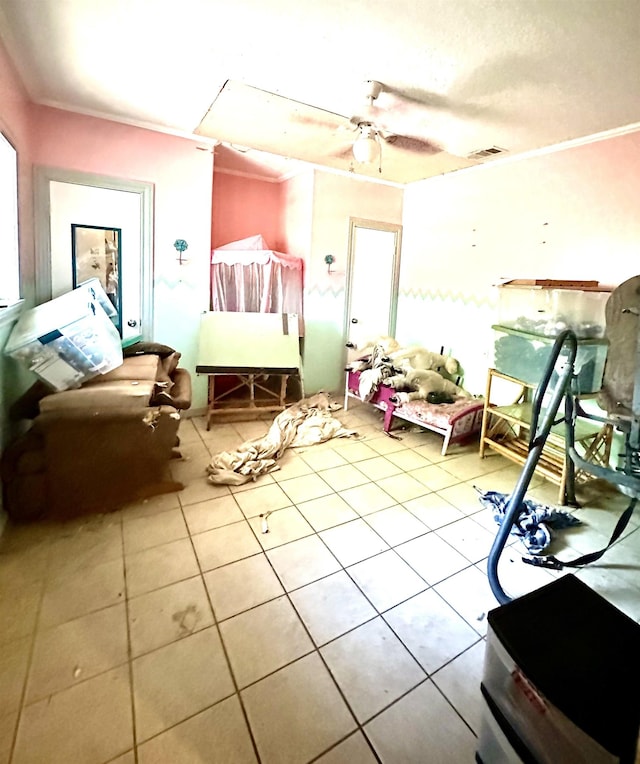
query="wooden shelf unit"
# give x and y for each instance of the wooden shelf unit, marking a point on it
(505, 430)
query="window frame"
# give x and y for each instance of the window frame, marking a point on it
(9, 231)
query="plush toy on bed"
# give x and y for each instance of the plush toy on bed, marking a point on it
(421, 383)
(414, 371)
(379, 347)
(411, 358)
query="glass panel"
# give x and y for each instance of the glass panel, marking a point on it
(96, 253)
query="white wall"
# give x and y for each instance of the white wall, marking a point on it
(571, 214)
(324, 204)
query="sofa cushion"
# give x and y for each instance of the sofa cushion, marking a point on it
(125, 394)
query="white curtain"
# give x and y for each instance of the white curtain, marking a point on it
(256, 288)
(247, 277)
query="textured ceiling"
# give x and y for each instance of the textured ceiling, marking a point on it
(464, 74)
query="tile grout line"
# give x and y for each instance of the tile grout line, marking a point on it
(222, 644)
(322, 659)
(264, 552)
(315, 649)
(129, 650)
(33, 636)
(378, 614)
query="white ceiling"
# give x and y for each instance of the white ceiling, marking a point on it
(466, 74)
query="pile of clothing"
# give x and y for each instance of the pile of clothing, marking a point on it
(304, 423)
(534, 523)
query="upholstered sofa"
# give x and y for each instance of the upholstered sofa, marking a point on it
(100, 446)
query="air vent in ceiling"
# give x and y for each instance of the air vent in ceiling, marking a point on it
(484, 153)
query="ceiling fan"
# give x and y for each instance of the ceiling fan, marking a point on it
(372, 131)
(389, 123)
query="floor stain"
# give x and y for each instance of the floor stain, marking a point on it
(186, 619)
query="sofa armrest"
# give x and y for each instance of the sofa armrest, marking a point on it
(101, 459)
(179, 395)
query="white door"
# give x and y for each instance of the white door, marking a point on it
(103, 203)
(103, 208)
(372, 282)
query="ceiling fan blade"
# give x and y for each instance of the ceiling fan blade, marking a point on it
(346, 152)
(339, 125)
(398, 97)
(409, 143)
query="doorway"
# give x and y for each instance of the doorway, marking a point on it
(66, 199)
(373, 271)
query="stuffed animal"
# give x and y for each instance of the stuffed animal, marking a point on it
(388, 345)
(373, 370)
(421, 382)
(372, 353)
(414, 368)
(420, 358)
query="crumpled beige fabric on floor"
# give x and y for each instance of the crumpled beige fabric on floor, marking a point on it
(305, 423)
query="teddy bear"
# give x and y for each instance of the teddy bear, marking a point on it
(422, 383)
(423, 372)
(419, 358)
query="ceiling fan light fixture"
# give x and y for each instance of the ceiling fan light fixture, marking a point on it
(366, 148)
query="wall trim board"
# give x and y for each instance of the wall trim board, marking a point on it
(448, 296)
(318, 290)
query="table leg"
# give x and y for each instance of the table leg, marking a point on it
(283, 389)
(212, 397)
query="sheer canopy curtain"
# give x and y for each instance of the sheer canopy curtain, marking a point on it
(247, 277)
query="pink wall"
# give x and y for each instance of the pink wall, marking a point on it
(244, 207)
(78, 142)
(15, 115)
(182, 182)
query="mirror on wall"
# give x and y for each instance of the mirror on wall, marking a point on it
(96, 253)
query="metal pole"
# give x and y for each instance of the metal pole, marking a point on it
(537, 439)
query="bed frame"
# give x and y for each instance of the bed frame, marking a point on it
(457, 422)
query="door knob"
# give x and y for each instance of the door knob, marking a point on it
(132, 322)
(354, 320)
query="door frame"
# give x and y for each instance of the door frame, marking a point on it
(395, 228)
(43, 177)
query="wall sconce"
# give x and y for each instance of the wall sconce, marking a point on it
(181, 245)
(329, 260)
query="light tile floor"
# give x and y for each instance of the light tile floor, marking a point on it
(353, 631)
